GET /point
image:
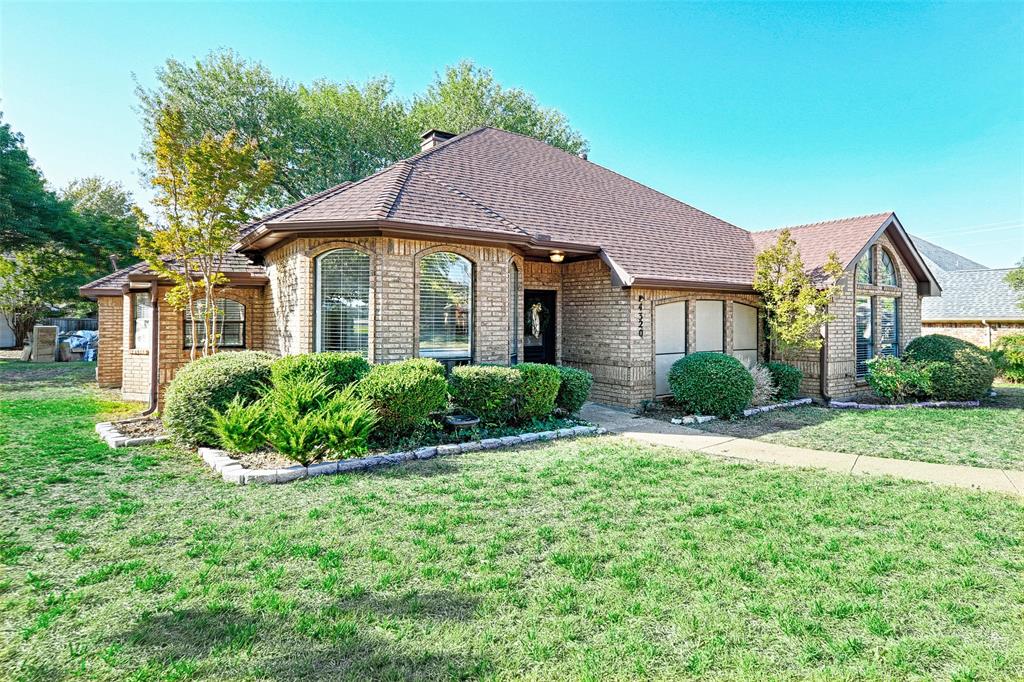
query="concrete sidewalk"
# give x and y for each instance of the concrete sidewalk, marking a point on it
(657, 432)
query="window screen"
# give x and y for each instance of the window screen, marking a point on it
(513, 313)
(230, 324)
(865, 269)
(446, 306)
(865, 341)
(142, 319)
(710, 333)
(744, 336)
(888, 326)
(888, 273)
(343, 301)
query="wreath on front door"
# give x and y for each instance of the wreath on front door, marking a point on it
(538, 319)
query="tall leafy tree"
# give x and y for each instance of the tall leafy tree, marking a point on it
(1015, 278)
(108, 216)
(795, 301)
(36, 279)
(467, 95)
(204, 191)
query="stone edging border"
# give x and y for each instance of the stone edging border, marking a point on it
(749, 412)
(842, 405)
(233, 471)
(115, 439)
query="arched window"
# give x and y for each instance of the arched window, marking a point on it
(865, 269)
(230, 328)
(513, 314)
(887, 275)
(446, 306)
(343, 301)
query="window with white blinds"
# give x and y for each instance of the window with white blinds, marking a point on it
(142, 319)
(887, 275)
(343, 301)
(446, 306)
(230, 329)
(513, 313)
(865, 339)
(888, 326)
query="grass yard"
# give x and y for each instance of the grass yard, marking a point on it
(596, 559)
(989, 436)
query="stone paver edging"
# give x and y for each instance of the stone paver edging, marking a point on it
(115, 439)
(749, 412)
(233, 471)
(851, 405)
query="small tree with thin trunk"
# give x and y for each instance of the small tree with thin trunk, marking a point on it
(1015, 278)
(204, 192)
(795, 301)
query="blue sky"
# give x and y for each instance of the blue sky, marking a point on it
(762, 114)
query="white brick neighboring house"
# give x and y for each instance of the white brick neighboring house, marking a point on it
(493, 247)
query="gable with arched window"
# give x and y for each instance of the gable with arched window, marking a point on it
(230, 324)
(887, 272)
(343, 301)
(445, 306)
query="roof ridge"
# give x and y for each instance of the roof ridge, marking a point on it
(476, 202)
(301, 203)
(388, 199)
(824, 222)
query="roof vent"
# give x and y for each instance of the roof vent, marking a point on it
(432, 138)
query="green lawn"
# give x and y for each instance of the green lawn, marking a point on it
(989, 436)
(595, 559)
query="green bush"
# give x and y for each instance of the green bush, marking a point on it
(337, 369)
(934, 348)
(968, 377)
(1008, 356)
(211, 383)
(574, 389)
(240, 427)
(712, 384)
(488, 392)
(896, 381)
(538, 390)
(786, 378)
(405, 393)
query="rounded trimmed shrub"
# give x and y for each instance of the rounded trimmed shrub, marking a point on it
(537, 390)
(934, 348)
(968, 377)
(488, 392)
(404, 393)
(574, 389)
(211, 383)
(786, 378)
(338, 370)
(426, 364)
(896, 381)
(1008, 356)
(711, 384)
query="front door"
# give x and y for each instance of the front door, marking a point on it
(539, 330)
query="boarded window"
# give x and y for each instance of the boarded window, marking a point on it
(343, 301)
(888, 326)
(513, 314)
(710, 333)
(744, 341)
(887, 275)
(142, 319)
(230, 325)
(865, 340)
(866, 269)
(446, 306)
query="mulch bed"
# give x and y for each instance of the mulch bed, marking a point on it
(140, 427)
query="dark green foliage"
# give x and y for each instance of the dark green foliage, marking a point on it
(538, 390)
(337, 369)
(240, 427)
(574, 389)
(966, 371)
(895, 381)
(405, 393)
(1008, 356)
(786, 378)
(211, 383)
(711, 383)
(934, 348)
(488, 392)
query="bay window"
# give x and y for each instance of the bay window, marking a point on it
(343, 301)
(445, 306)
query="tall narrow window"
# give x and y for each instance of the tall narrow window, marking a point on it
(142, 319)
(230, 329)
(866, 268)
(887, 275)
(446, 306)
(865, 339)
(513, 314)
(343, 301)
(888, 326)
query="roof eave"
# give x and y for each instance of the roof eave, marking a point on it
(927, 284)
(696, 285)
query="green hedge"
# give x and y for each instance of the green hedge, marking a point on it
(405, 393)
(896, 381)
(1008, 356)
(337, 369)
(934, 348)
(538, 390)
(574, 389)
(786, 378)
(208, 384)
(711, 384)
(487, 392)
(957, 369)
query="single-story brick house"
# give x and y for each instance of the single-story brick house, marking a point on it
(977, 303)
(493, 247)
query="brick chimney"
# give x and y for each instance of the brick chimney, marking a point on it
(432, 138)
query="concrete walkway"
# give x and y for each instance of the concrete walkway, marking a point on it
(657, 432)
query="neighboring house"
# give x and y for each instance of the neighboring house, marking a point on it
(977, 304)
(494, 247)
(7, 339)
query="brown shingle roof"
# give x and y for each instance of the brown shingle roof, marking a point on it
(846, 236)
(234, 263)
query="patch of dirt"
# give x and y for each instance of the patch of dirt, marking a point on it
(140, 428)
(264, 459)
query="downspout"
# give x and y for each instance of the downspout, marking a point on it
(988, 332)
(823, 371)
(154, 351)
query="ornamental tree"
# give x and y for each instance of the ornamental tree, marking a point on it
(795, 301)
(204, 191)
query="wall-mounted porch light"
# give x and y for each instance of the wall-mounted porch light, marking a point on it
(557, 256)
